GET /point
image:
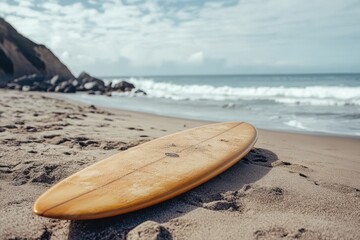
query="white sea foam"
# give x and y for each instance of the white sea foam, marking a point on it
(296, 124)
(310, 95)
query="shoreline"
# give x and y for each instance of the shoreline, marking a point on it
(63, 97)
(307, 133)
(292, 185)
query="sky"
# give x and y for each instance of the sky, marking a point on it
(168, 37)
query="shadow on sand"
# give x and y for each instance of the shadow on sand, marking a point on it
(219, 193)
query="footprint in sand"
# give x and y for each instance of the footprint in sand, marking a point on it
(149, 230)
(227, 201)
(300, 169)
(265, 194)
(341, 188)
(36, 172)
(109, 145)
(261, 157)
(292, 166)
(13, 142)
(280, 232)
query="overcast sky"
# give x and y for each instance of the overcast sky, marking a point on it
(114, 37)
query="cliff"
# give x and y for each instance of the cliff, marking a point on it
(20, 56)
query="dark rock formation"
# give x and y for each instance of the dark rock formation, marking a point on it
(89, 83)
(29, 79)
(140, 92)
(19, 57)
(123, 86)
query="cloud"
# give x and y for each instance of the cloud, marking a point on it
(65, 55)
(248, 35)
(196, 58)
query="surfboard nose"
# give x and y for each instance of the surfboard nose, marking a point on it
(39, 208)
(54, 212)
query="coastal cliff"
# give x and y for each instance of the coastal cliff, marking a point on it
(28, 66)
(19, 56)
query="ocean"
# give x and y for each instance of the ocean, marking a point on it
(313, 103)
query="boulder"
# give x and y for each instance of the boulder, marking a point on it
(85, 78)
(123, 86)
(54, 80)
(89, 83)
(25, 88)
(12, 85)
(94, 86)
(40, 86)
(51, 88)
(29, 80)
(70, 88)
(140, 92)
(62, 86)
(75, 82)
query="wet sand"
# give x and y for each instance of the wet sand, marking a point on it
(289, 186)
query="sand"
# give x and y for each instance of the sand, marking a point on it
(289, 186)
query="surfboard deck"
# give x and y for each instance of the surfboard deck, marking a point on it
(149, 173)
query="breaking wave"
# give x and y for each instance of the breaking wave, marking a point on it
(309, 95)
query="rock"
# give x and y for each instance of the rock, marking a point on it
(91, 86)
(149, 230)
(70, 88)
(13, 86)
(85, 78)
(140, 92)
(61, 87)
(29, 79)
(75, 82)
(25, 88)
(65, 87)
(89, 83)
(40, 86)
(123, 86)
(54, 80)
(51, 89)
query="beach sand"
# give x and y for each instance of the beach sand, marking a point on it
(289, 186)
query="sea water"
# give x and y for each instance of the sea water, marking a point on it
(322, 103)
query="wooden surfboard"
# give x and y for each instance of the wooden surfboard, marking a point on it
(149, 173)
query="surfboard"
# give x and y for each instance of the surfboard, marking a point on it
(149, 173)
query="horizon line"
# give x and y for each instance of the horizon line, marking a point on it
(226, 74)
